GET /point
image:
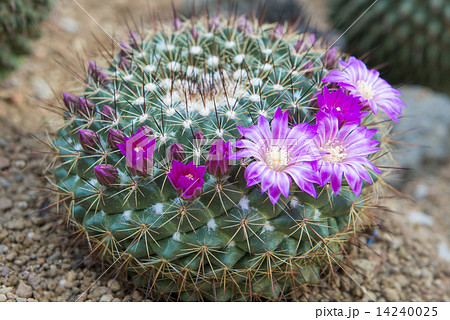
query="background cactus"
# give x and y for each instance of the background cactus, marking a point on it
(415, 50)
(172, 92)
(19, 22)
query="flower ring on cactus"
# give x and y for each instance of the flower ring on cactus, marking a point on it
(281, 154)
(187, 179)
(344, 151)
(218, 162)
(138, 152)
(345, 107)
(106, 174)
(368, 86)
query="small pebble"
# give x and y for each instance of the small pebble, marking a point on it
(4, 163)
(20, 164)
(2, 298)
(5, 203)
(24, 291)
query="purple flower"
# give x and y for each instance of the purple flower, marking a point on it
(115, 136)
(138, 152)
(244, 26)
(345, 107)
(106, 174)
(176, 151)
(97, 73)
(199, 139)
(177, 24)
(89, 140)
(70, 101)
(344, 151)
(367, 85)
(217, 162)
(281, 154)
(215, 22)
(187, 179)
(108, 113)
(78, 104)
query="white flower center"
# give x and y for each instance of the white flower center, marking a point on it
(336, 153)
(365, 89)
(277, 157)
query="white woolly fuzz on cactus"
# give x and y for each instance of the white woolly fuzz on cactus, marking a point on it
(267, 227)
(158, 208)
(212, 225)
(126, 214)
(244, 203)
(176, 237)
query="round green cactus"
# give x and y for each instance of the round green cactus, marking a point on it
(19, 22)
(411, 36)
(174, 91)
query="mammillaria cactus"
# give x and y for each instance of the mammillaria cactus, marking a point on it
(19, 22)
(416, 49)
(223, 160)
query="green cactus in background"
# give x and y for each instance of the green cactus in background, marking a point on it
(169, 98)
(411, 36)
(19, 22)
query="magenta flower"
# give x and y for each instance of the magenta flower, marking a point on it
(108, 114)
(89, 140)
(138, 152)
(106, 174)
(115, 136)
(187, 179)
(344, 151)
(176, 151)
(346, 108)
(367, 85)
(281, 154)
(98, 73)
(217, 162)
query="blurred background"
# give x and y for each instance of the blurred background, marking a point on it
(408, 41)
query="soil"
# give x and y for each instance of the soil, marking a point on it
(410, 261)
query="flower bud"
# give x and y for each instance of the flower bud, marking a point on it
(86, 106)
(177, 24)
(70, 101)
(106, 174)
(97, 73)
(108, 114)
(89, 139)
(115, 136)
(176, 152)
(215, 22)
(199, 139)
(149, 132)
(218, 162)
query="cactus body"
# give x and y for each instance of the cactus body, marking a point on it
(185, 87)
(412, 36)
(19, 23)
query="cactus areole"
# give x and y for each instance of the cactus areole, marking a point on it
(212, 160)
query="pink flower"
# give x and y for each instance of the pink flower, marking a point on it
(281, 154)
(346, 108)
(218, 162)
(344, 152)
(106, 174)
(187, 179)
(368, 86)
(138, 152)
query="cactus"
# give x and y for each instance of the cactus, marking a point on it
(19, 22)
(410, 35)
(160, 164)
